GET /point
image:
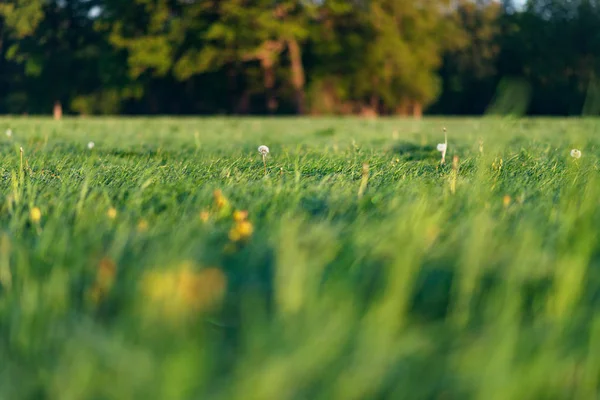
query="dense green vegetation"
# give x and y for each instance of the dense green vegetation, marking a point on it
(363, 268)
(300, 56)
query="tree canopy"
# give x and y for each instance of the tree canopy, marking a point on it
(298, 56)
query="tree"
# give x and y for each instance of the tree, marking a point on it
(555, 46)
(21, 17)
(400, 66)
(187, 38)
(469, 73)
(340, 37)
(63, 56)
(260, 31)
(18, 19)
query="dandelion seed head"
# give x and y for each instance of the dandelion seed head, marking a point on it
(264, 150)
(575, 153)
(91, 145)
(441, 147)
(9, 132)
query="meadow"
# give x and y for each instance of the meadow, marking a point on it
(163, 263)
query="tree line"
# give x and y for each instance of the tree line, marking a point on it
(368, 57)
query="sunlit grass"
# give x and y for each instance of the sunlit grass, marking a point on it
(163, 262)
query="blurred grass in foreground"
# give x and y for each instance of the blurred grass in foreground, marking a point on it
(141, 276)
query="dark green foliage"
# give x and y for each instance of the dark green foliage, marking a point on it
(300, 56)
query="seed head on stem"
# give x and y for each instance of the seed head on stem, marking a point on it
(443, 147)
(264, 150)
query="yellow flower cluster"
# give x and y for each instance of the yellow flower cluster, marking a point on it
(184, 290)
(240, 216)
(242, 229)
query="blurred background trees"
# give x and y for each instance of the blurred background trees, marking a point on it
(369, 57)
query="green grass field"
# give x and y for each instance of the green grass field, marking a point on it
(363, 269)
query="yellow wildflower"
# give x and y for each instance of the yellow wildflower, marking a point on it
(245, 229)
(183, 290)
(221, 204)
(142, 225)
(204, 216)
(241, 231)
(220, 200)
(112, 213)
(239, 216)
(506, 201)
(35, 214)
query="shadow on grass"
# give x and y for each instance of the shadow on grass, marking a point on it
(326, 132)
(412, 151)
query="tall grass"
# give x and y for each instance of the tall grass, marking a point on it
(364, 269)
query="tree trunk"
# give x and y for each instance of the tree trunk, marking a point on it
(267, 64)
(298, 79)
(417, 110)
(243, 105)
(374, 103)
(267, 55)
(232, 86)
(368, 112)
(402, 109)
(57, 112)
(153, 103)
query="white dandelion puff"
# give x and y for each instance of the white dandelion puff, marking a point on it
(443, 147)
(9, 132)
(575, 153)
(264, 150)
(91, 145)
